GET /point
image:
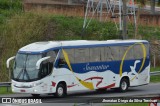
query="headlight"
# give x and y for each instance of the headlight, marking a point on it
(33, 85)
(36, 84)
(14, 84)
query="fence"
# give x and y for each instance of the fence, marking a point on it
(155, 73)
(5, 84)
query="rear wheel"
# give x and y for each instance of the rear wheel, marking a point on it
(124, 84)
(36, 95)
(60, 91)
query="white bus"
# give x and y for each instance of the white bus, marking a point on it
(56, 67)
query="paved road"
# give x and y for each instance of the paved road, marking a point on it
(87, 96)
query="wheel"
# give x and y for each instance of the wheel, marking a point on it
(124, 84)
(60, 91)
(35, 95)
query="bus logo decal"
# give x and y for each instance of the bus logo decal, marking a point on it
(99, 67)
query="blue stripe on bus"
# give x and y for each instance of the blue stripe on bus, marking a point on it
(82, 46)
(114, 66)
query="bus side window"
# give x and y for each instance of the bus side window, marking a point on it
(61, 61)
(108, 54)
(71, 54)
(53, 55)
(47, 65)
(138, 51)
(147, 49)
(95, 54)
(122, 51)
(102, 53)
(115, 52)
(81, 55)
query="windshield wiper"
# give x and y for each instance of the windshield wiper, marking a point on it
(25, 72)
(20, 73)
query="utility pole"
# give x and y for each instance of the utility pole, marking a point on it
(124, 18)
(153, 3)
(69, 1)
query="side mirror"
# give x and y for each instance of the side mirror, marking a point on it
(40, 61)
(8, 61)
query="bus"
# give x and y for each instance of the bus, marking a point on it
(56, 67)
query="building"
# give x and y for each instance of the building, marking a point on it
(65, 7)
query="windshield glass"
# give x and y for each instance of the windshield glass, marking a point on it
(25, 67)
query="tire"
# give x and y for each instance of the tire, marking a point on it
(60, 91)
(124, 84)
(35, 95)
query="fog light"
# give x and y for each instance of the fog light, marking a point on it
(12, 90)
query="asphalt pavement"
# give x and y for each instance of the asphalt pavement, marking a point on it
(86, 98)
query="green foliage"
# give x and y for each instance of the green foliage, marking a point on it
(155, 79)
(155, 69)
(149, 32)
(3, 90)
(5, 4)
(67, 28)
(17, 32)
(101, 31)
(10, 4)
(8, 8)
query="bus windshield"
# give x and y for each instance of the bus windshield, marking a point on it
(25, 67)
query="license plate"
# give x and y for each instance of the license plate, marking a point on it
(23, 90)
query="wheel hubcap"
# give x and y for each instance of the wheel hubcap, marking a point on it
(60, 91)
(124, 85)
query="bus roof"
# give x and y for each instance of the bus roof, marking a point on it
(40, 47)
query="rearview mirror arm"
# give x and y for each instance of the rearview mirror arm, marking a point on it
(40, 61)
(8, 61)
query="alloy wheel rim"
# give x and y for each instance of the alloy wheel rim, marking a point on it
(60, 91)
(124, 85)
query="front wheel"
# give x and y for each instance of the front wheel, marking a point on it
(124, 84)
(60, 91)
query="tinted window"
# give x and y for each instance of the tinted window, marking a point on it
(71, 55)
(95, 54)
(81, 55)
(138, 51)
